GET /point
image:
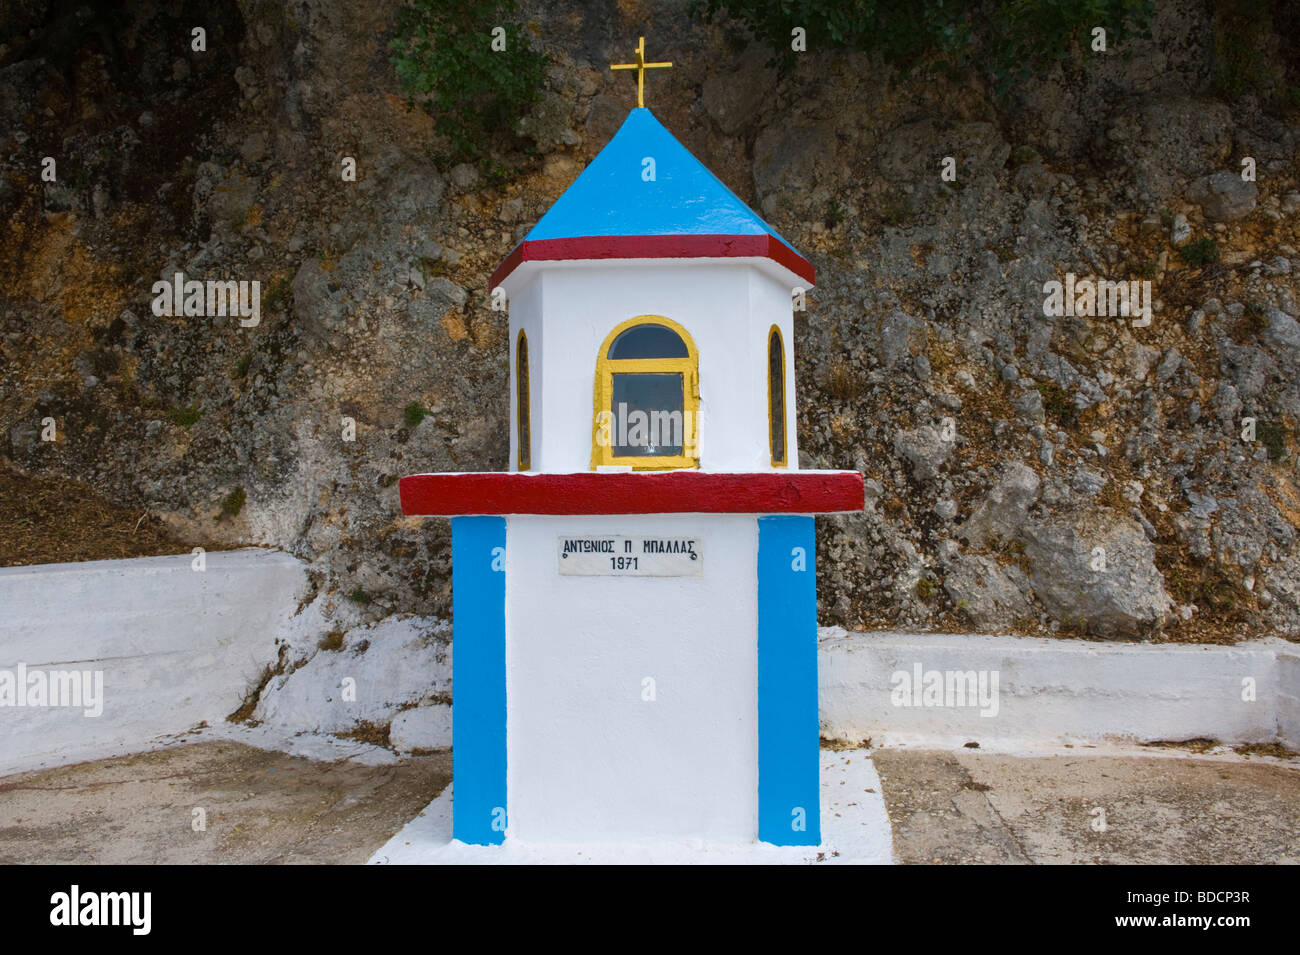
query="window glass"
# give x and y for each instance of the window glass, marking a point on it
(648, 341)
(523, 437)
(647, 413)
(776, 395)
(647, 399)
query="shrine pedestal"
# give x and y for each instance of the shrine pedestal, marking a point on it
(635, 657)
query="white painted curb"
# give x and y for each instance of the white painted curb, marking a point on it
(176, 646)
(1066, 691)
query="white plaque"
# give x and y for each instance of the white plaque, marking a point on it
(618, 555)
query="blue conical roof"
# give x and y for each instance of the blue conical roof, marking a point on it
(617, 210)
(615, 197)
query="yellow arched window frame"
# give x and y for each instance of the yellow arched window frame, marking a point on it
(609, 428)
(523, 411)
(778, 441)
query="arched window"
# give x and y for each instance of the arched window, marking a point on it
(776, 397)
(647, 397)
(523, 424)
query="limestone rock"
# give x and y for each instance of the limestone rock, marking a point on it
(548, 123)
(989, 595)
(1004, 512)
(899, 336)
(394, 663)
(1096, 572)
(1224, 196)
(924, 449)
(1166, 140)
(790, 159)
(464, 176)
(425, 727)
(734, 97)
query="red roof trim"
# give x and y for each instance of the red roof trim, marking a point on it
(765, 246)
(666, 492)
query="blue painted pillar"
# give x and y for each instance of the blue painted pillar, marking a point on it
(789, 791)
(478, 715)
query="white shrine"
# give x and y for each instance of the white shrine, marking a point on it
(634, 602)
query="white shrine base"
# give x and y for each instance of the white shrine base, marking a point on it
(855, 829)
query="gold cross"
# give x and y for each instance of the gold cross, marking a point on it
(640, 66)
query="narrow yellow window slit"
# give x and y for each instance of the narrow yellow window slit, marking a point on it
(523, 422)
(776, 398)
(647, 397)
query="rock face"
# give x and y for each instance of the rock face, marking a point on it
(396, 673)
(899, 337)
(989, 596)
(734, 98)
(1001, 445)
(1166, 140)
(422, 728)
(1004, 513)
(925, 450)
(1097, 575)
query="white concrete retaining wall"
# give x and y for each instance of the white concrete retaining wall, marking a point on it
(1052, 690)
(1288, 697)
(175, 646)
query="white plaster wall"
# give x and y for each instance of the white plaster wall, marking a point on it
(771, 305)
(588, 759)
(1288, 698)
(727, 307)
(525, 313)
(1056, 690)
(176, 646)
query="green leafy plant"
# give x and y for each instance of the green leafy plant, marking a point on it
(896, 212)
(1023, 155)
(185, 415)
(414, 413)
(1200, 252)
(1148, 269)
(1240, 28)
(279, 292)
(240, 369)
(232, 503)
(834, 214)
(1058, 404)
(1006, 40)
(1273, 436)
(444, 57)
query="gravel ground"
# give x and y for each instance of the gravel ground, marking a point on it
(971, 807)
(945, 807)
(260, 807)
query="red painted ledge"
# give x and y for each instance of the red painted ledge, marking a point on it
(665, 492)
(655, 247)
